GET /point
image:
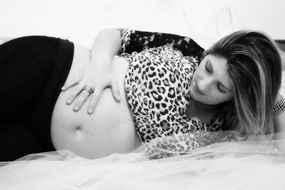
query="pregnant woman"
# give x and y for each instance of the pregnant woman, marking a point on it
(35, 118)
(161, 84)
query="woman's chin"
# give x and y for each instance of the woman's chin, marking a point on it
(199, 99)
(195, 96)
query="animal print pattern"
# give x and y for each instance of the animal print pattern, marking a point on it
(183, 143)
(157, 85)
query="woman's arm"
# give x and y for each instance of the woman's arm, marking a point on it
(110, 42)
(105, 46)
(97, 74)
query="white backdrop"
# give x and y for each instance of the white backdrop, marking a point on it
(80, 20)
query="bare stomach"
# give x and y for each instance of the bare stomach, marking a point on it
(110, 129)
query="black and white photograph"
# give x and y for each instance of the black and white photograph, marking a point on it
(142, 95)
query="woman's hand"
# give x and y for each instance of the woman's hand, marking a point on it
(94, 77)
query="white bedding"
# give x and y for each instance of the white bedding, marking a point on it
(228, 166)
(251, 165)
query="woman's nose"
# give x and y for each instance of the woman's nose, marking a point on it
(204, 84)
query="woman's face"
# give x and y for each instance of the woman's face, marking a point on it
(211, 83)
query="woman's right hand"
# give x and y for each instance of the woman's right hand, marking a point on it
(96, 76)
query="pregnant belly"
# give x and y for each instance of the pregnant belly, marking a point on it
(110, 129)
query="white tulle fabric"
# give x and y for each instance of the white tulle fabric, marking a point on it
(235, 165)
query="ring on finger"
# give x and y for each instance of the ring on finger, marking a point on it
(88, 89)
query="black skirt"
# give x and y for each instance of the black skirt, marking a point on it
(32, 71)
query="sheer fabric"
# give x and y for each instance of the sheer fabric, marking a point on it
(251, 164)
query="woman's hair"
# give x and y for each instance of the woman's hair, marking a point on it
(254, 65)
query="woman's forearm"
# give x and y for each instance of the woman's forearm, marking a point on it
(105, 46)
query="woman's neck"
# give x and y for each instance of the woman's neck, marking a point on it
(202, 111)
(202, 106)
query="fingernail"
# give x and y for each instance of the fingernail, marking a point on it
(68, 101)
(90, 110)
(75, 108)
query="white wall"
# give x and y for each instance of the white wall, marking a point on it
(265, 15)
(208, 20)
(80, 20)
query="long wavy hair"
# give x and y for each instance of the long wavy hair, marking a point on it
(254, 65)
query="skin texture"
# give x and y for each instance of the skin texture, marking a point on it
(109, 129)
(211, 84)
(88, 136)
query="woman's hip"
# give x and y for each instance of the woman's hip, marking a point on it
(24, 68)
(32, 70)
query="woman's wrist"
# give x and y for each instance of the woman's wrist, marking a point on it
(105, 46)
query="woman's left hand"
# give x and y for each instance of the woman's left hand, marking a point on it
(91, 82)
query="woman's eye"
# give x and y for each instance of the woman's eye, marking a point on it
(208, 69)
(221, 89)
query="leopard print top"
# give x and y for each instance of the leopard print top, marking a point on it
(157, 84)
